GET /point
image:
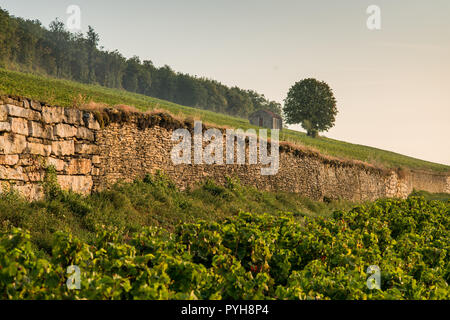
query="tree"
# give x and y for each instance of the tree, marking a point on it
(92, 41)
(312, 104)
(131, 74)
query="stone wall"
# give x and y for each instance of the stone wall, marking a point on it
(92, 150)
(34, 135)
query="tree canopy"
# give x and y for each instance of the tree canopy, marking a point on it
(312, 104)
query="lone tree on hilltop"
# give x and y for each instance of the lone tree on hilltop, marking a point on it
(312, 104)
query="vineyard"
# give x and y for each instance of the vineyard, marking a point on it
(246, 256)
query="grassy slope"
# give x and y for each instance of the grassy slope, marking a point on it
(63, 93)
(155, 201)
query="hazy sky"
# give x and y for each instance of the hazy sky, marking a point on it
(392, 85)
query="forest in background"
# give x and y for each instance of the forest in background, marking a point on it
(26, 45)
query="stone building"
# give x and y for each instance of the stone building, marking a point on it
(266, 119)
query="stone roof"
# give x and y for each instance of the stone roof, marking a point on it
(270, 113)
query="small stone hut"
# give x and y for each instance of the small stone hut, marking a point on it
(266, 119)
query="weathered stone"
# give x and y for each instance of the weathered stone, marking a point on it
(83, 148)
(39, 149)
(4, 187)
(36, 106)
(65, 130)
(57, 163)
(35, 140)
(5, 127)
(35, 129)
(3, 113)
(35, 175)
(16, 111)
(90, 122)
(26, 103)
(96, 159)
(38, 130)
(9, 159)
(79, 184)
(85, 134)
(12, 144)
(19, 126)
(74, 116)
(12, 173)
(35, 116)
(53, 114)
(63, 148)
(95, 171)
(79, 166)
(32, 192)
(26, 160)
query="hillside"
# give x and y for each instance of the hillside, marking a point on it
(68, 94)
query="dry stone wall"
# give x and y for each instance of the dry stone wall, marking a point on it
(34, 136)
(93, 150)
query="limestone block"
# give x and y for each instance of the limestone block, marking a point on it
(90, 122)
(53, 114)
(83, 148)
(63, 148)
(96, 159)
(3, 113)
(9, 159)
(85, 134)
(38, 148)
(31, 192)
(37, 130)
(35, 116)
(26, 104)
(57, 163)
(35, 176)
(12, 144)
(19, 126)
(79, 184)
(79, 166)
(36, 106)
(26, 161)
(16, 111)
(65, 130)
(7, 173)
(74, 116)
(5, 127)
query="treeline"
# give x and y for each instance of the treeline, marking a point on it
(29, 46)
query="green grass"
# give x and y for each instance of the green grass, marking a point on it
(432, 196)
(63, 93)
(153, 201)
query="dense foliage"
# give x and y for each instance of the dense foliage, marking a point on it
(246, 257)
(28, 46)
(154, 201)
(311, 103)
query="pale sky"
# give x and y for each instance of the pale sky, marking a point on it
(392, 85)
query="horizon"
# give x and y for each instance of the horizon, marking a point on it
(381, 78)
